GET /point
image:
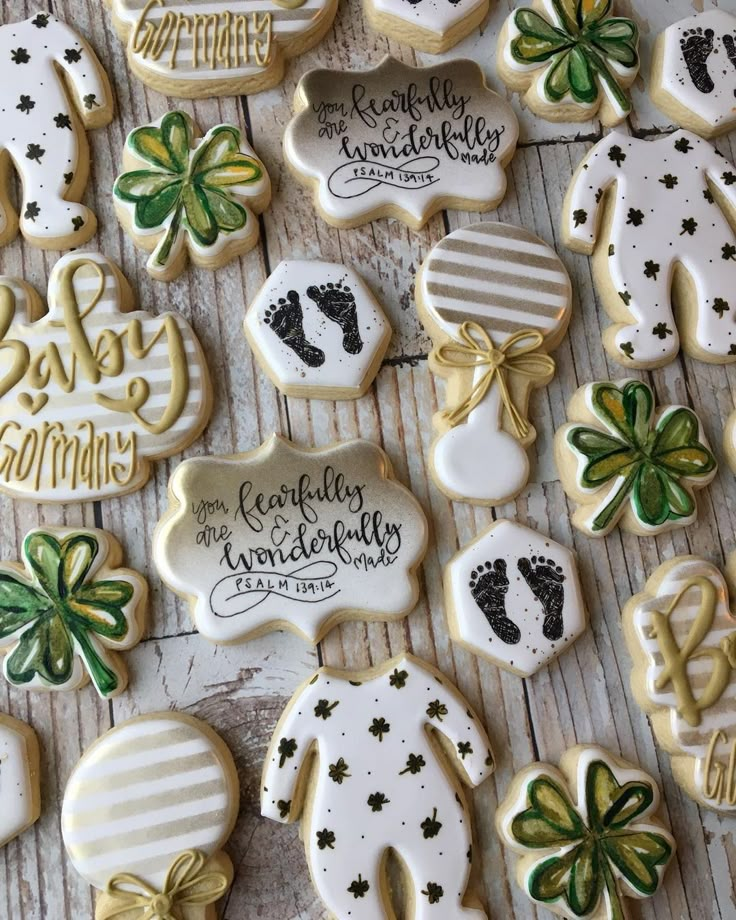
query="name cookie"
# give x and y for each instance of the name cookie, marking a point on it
(92, 393)
(495, 300)
(184, 196)
(20, 782)
(54, 89)
(427, 25)
(378, 782)
(400, 141)
(285, 537)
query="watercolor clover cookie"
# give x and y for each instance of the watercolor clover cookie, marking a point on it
(317, 330)
(400, 141)
(55, 90)
(495, 299)
(229, 48)
(145, 814)
(589, 834)
(427, 25)
(572, 59)
(95, 391)
(290, 537)
(379, 782)
(694, 72)
(68, 610)
(655, 215)
(184, 196)
(514, 597)
(20, 784)
(627, 464)
(682, 636)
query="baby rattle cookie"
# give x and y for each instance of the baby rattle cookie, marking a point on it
(657, 217)
(54, 90)
(682, 636)
(427, 25)
(68, 610)
(184, 196)
(20, 782)
(145, 814)
(589, 834)
(627, 464)
(694, 72)
(229, 48)
(317, 330)
(400, 141)
(514, 597)
(295, 538)
(378, 781)
(495, 299)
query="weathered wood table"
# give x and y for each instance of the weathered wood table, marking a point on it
(242, 689)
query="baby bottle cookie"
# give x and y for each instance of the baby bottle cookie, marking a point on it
(427, 25)
(495, 300)
(20, 791)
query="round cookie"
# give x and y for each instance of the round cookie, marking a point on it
(20, 782)
(427, 25)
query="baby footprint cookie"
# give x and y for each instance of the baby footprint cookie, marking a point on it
(20, 782)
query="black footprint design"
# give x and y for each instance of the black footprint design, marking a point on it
(338, 304)
(697, 47)
(489, 585)
(545, 579)
(730, 45)
(286, 320)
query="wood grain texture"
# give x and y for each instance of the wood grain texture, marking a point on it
(583, 696)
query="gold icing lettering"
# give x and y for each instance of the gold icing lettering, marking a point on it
(719, 782)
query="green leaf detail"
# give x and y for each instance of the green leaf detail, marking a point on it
(551, 819)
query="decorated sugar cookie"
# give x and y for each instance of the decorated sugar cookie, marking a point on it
(20, 790)
(91, 392)
(682, 637)
(54, 89)
(318, 330)
(68, 610)
(427, 25)
(495, 300)
(629, 464)
(694, 72)
(645, 209)
(589, 834)
(400, 141)
(226, 48)
(514, 597)
(184, 196)
(145, 814)
(573, 60)
(379, 782)
(290, 537)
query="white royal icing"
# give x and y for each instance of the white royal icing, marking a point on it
(380, 782)
(19, 781)
(438, 16)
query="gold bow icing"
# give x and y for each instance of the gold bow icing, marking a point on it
(517, 355)
(185, 883)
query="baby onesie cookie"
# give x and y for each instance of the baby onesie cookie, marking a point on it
(184, 196)
(317, 330)
(378, 782)
(495, 299)
(226, 48)
(627, 464)
(588, 834)
(92, 391)
(427, 25)
(295, 538)
(54, 90)
(145, 814)
(657, 217)
(572, 60)
(682, 636)
(400, 141)
(67, 611)
(694, 72)
(20, 784)
(514, 597)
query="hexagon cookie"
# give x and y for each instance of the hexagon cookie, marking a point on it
(317, 330)
(20, 795)
(427, 25)
(513, 596)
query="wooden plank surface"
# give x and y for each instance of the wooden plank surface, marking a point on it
(241, 690)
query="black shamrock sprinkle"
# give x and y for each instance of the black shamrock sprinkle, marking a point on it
(636, 217)
(338, 771)
(669, 181)
(683, 145)
(323, 709)
(284, 808)
(434, 892)
(414, 764)
(728, 252)
(661, 330)
(464, 748)
(359, 888)
(720, 306)
(68, 178)
(77, 223)
(579, 217)
(436, 710)
(287, 747)
(90, 101)
(652, 269)
(398, 679)
(732, 349)
(62, 120)
(26, 104)
(611, 251)
(625, 296)
(379, 728)
(616, 155)
(73, 55)
(689, 226)
(20, 56)
(32, 210)
(431, 826)
(598, 196)
(326, 839)
(41, 21)
(489, 758)
(627, 348)
(377, 800)
(729, 178)
(35, 152)
(708, 195)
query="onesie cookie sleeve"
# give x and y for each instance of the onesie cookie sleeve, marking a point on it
(721, 173)
(86, 81)
(583, 202)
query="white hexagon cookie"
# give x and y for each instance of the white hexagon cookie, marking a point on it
(317, 330)
(19, 781)
(514, 597)
(427, 25)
